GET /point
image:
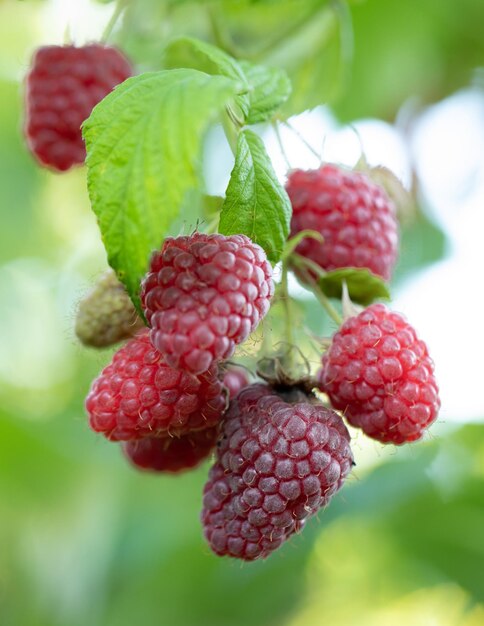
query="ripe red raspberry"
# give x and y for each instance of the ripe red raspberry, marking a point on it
(354, 215)
(139, 395)
(381, 376)
(171, 454)
(235, 379)
(203, 295)
(282, 456)
(63, 86)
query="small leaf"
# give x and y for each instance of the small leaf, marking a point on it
(363, 286)
(189, 52)
(143, 143)
(269, 89)
(256, 204)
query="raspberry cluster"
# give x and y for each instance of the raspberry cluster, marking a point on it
(63, 86)
(355, 217)
(168, 411)
(171, 397)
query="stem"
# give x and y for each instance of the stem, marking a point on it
(118, 10)
(219, 34)
(266, 346)
(326, 304)
(308, 264)
(286, 300)
(301, 138)
(303, 264)
(68, 38)
(230, 130)
(292, 29)
(275, 126)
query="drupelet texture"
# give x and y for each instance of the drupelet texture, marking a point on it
(139, 395)
(280, 459)
(203, 295)
(354, 215)
(235, 379)
(63, 86)
(171, 454)
(381, 376)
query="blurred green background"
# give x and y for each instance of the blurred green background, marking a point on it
(84, 539)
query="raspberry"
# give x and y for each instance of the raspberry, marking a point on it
(63, 86)
(380, 374)
(282, 456)
(203, 295)
(171, 454)
(354, 215)
(139, 395)
(235, 379)
(106, 314)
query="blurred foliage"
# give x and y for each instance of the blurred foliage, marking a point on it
(84, 539)
(90, 541)
(365, 57)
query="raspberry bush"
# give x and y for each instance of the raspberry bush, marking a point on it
(199, 284)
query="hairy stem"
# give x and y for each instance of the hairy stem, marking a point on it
(121, 5)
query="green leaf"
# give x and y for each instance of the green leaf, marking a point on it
(269, 89)
(363, 286)
(188, 52)
(143, 143)
(256, 204)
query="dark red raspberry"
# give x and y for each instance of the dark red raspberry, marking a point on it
(235, 379)
(381, 376)
(203, 295)
(354, 215)
(138, 395)
(63, 86)
(171, 454)
(281, 458)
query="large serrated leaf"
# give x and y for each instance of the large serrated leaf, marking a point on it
(143, 143)
(188, 52)
(363, 286)
(269, 89)
(256, 204)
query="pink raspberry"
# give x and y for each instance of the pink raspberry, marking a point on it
(354, 215)
(235, 379)
(203, 295)
(171, 454)
(139, 395)
(282, 456)
(381, 376)
(63, 86)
